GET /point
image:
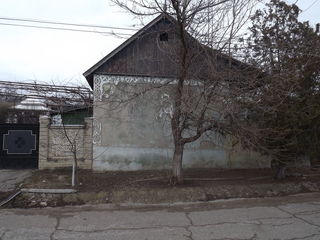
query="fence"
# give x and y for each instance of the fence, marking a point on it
(59, 143)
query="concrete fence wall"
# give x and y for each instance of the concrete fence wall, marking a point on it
(56, 144)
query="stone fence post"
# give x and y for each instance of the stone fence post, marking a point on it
(43, 140)
(87, 137)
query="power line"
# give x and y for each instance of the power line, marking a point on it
(65, 23)
(310, 6)
(67, 29)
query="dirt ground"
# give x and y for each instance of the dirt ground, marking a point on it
(90, 181)
(153, 187)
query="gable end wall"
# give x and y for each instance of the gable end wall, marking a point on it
(136, 138)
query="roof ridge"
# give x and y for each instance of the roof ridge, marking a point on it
(126, 43)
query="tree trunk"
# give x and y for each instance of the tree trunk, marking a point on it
(281, 171)
(74, 177)
(177, 177)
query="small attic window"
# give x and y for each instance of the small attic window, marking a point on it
(163, 37)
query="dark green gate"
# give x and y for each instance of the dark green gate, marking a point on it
(19, 145)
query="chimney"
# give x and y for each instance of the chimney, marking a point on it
(318, 28)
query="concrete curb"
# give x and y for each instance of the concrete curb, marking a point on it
(51, 191)
(215, 204)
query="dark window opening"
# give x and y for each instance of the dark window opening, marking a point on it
(163, 37)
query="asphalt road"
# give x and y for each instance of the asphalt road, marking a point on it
(294, 217)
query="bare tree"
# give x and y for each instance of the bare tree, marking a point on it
(206, 94)
(4, 107)
(8, 99)
(63, 99)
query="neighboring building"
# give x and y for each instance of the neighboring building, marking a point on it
(76, 115)
(27, 111)
(136, 136)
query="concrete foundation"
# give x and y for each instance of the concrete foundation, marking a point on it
(129, 158)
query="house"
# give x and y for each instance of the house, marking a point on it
(27, 111)
(137, 136)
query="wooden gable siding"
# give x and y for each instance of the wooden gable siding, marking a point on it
(147, 55)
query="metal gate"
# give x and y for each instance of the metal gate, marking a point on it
(19, 145)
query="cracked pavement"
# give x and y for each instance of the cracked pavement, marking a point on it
(290, 218)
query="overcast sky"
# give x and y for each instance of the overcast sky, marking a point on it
(29, 54)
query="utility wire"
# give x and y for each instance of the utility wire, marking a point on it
(66, 29)
(65, 23)
(310, 6)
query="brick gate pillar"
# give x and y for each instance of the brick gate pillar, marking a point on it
(43, 141)
(87, 138)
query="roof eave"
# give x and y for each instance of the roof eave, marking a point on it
(87, 74)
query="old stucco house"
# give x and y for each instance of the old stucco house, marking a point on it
(135, 137)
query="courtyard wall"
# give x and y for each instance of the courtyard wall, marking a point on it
(55, 150)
